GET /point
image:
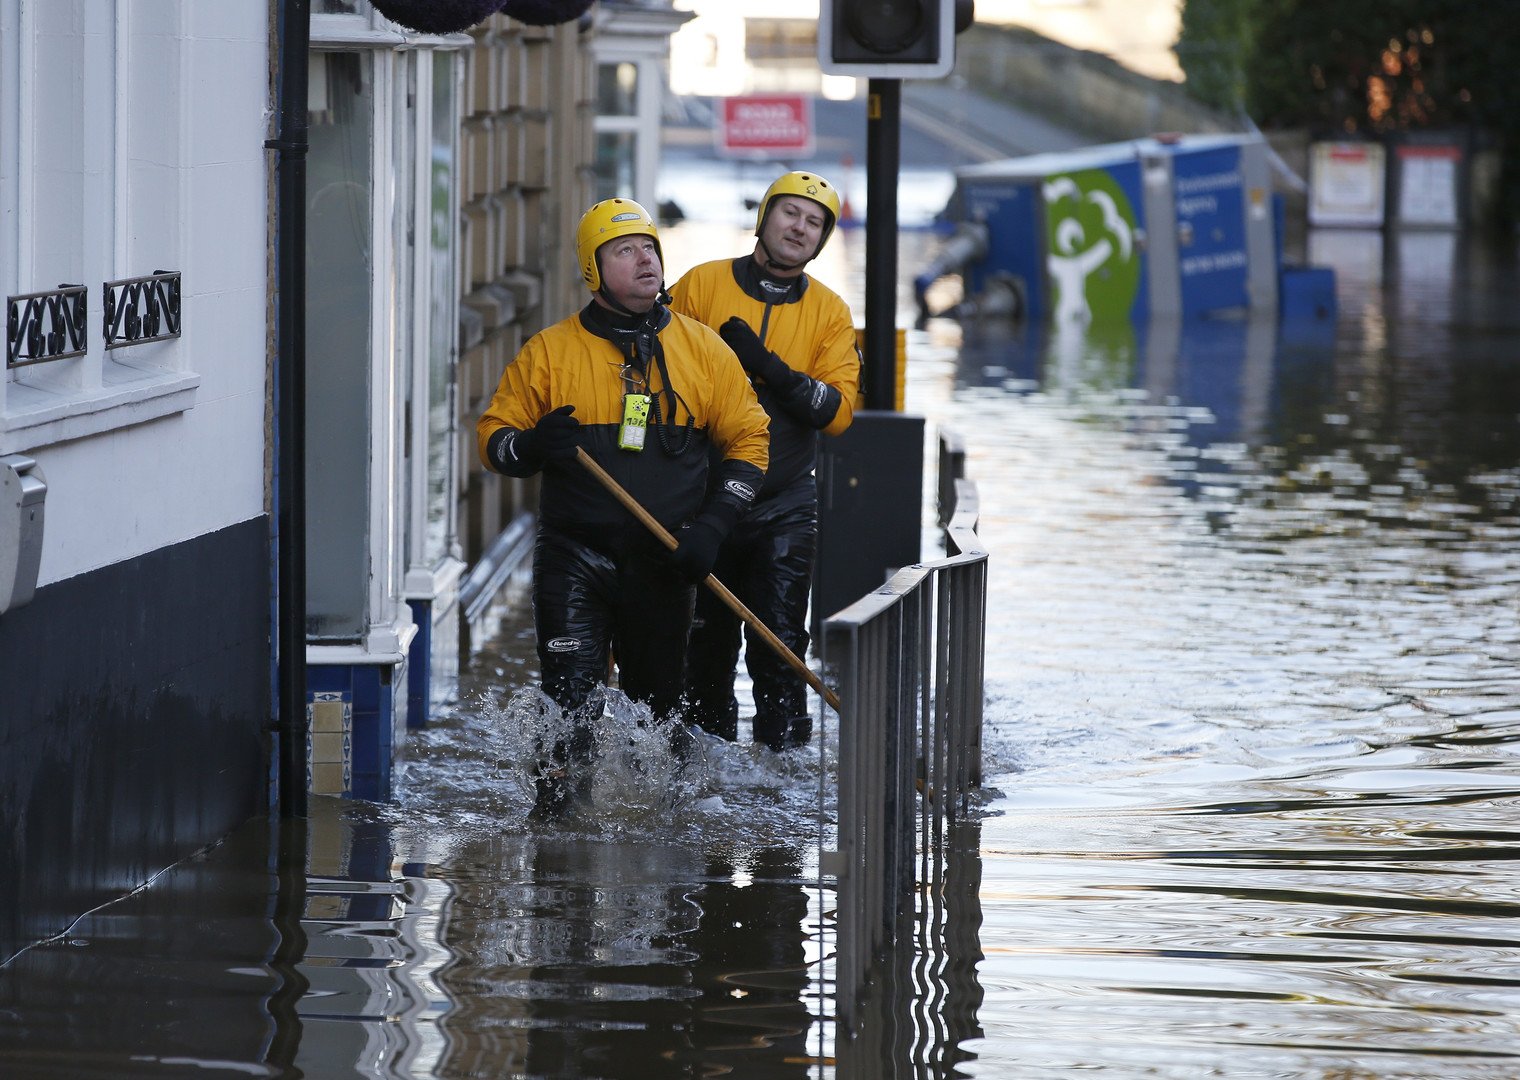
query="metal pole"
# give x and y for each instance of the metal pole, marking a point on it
(290, 402)
(883, 157)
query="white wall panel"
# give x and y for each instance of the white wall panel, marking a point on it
(225, 227)
(150, 123)
(233, 129)
(143, 151)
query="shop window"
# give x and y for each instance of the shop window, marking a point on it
(443, 322)
(615, 164)
(339, 276)
(617, 89)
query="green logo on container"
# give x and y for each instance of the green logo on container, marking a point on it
(1093, 261)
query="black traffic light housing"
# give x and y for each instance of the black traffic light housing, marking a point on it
(890, 39)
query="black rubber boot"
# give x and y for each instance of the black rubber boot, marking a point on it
(554, 795)
(780, 733)
(799, 731)
(724, 725)
(770, 732)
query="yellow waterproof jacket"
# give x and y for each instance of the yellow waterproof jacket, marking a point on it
(713, 410)
(804, 323)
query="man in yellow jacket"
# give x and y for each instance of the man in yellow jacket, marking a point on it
(796, 340)
(659, 402)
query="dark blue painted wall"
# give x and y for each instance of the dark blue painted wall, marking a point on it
(134, 703)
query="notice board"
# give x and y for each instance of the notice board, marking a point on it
(1347, 184)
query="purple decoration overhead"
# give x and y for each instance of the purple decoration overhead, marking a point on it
(437, 16)
(544, 12)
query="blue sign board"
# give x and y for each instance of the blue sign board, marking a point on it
(1011, 210)
(1211, 229)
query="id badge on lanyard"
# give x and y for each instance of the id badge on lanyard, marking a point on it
(635, 426)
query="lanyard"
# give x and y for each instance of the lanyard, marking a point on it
(644, 347)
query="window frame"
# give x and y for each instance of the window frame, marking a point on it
(401, 567)
(101, 390)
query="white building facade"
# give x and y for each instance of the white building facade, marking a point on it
(139, 421)
(134, 643)
(144, 259)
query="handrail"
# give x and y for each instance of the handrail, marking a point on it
(909, 659)
(952, 468)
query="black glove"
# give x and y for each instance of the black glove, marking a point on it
(697, 544)
(756, 358)
(553, 438)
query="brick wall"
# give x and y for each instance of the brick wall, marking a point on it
(525, 150)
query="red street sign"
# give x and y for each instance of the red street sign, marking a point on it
(770, 125)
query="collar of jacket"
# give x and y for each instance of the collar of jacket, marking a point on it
(758, 285)
(619, 329)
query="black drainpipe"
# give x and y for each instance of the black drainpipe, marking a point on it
(294, 31)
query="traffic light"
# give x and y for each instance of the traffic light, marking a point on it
(890, 39)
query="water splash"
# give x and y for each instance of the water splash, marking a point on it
(640, 771)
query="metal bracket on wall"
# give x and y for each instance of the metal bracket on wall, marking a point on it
(23, 491)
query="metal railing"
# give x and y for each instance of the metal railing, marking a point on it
(142, 309)
(952, 469)
(44, 326)
(910, 663)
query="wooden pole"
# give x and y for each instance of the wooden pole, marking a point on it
(734, 603)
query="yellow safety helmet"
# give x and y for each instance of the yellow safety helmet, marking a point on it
(606, 221)
(804, 185)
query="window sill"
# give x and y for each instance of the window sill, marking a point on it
(34, 416)
(386, 643)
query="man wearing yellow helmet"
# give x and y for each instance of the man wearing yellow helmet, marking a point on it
(657, 400)
(796, 340)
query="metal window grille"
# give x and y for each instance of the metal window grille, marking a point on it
(44, 326)
(143, 309)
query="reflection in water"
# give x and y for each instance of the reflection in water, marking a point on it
(1259, 696)
(227, 966)
(169, 980)
(625, 959)
(372, 951)
(916, 1010)
(663, 929)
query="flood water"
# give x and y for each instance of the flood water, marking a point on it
(1253, 686)
(1252, 785)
